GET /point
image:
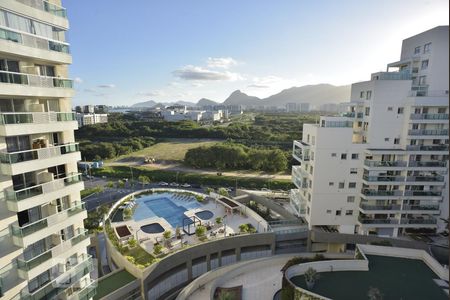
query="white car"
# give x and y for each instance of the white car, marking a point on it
(185, 185)
(163, 183)
(174, 184)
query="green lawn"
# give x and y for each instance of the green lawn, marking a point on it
(396, 278)
(112, 283)
(172, 150)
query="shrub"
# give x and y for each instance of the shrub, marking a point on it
(200, 231)
(167, 234)
(132, 242)
(218, 220)
(157, 249)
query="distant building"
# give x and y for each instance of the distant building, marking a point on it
(90, 119)
(89, 109)
(297, 107)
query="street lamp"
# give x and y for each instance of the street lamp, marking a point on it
(224, 226)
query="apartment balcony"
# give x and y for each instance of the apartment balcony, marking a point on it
(23, 84)
(372, 209)
(337, 124)
(12, 124)
(431, 208)
(429, 118)
(41, 193)
(375, 194)
(24, 44)
(402, 75)
(384, 180)
(427, 133)
(423, 195)
(46, 6)
(428, 165)
(385, 165)
(28, 234)
(298, 177)
(353, 114)
(300, 151)
(60, 280)
(36, 265)
(31, 160)
(377, 222)
(418, 222)
(85, 293)
(425, 180)
(428, 148)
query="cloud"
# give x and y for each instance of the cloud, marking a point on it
(106, 86)
(151, 94)
(202, 74)
(258, 86)
(78, 80)
(89, 90)
(220, 62)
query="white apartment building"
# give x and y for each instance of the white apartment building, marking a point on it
(90, 119)
(43, 243)
(382, 168)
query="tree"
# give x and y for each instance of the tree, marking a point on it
(218, 220)
(132, 242)
(144, 180)
(208, 190)
(127, 212)
(167, 234)
(120, 184)
(374, 294)
(200, 231)
(243, 228)
(223, 192)
(110, 184)
(178, 232)
(157, 249)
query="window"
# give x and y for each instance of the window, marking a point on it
(328, 211)
(417, 50)
(309, 197)
(352, 185)
(350, 199)
(386, 139)
(368, 95)
(333, 154)
(353, 171)
(400, 110)
(361, 94)
(344, 156)
(349, 212)
(310, 170)
(307, 210)
(330, 183)
(338, 213)
(442, 110)
(341, 185)
(367, 111)
(389, 108)
(312, 155)
(355, 155)
(307, 138)
(313, 140)
(422, 80)
(396, 141)
(427, 48)
(424, 64)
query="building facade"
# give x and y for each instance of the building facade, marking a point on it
(90, 119)
(382, 168)
(43, 243)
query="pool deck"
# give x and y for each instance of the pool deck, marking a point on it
(396, 278)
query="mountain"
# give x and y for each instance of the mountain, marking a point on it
(240, 98)
(206, 102)
(314, 94)
(149, 103)
(187, 103)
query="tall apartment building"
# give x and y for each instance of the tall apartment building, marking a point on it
(382, 168)
(43, 244)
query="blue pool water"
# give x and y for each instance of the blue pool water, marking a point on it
(204, 214)
(166, 205)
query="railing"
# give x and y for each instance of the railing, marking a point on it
(420, 207)
(383, 178)
(338, 124)
(35, 80)
(402, 75)
(418, 221)
(43, 153)
(427, 148)
(33, 41)
(426, 93)
(428, 132)
(46, 6)
(380, 207)
(377, 221)
(423, 193)
(425, 178)
(88, 291)
(26, 230)
(429, 117)
(36, 261)
(381, 193)
(12, 195)
(36, 117)
(349, 114)
(427, 164)
(299, 153)
(375, 163)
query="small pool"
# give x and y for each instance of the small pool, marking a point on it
(152, 228)
(205, 214)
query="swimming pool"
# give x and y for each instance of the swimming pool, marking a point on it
(170, 206)
(204, 214)
(152, 228)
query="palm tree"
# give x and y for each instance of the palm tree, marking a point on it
(144, 180)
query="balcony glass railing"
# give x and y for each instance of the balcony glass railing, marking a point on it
(87, 292)
(402, 75)
(383, 178)
(26, 230)
(12, 195)
(33, 41)
(35, 80)
(43, 153)
(425, 178)
(427, 164)
(7, 118)
(420, 207)
(377, 221)
(429, 116)
(423, 193)
(51, 8)
(375, 163)
(381, 193)
(36, 261)
(418, 221)
(301, 154)
(428, 132)
(338, 124)
(380, 207)
(427, 147)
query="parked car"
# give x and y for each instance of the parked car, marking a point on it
(162, 183)
(174, 184)
(185, 185)
(265, 190)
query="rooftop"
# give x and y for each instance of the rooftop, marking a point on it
(113, 282)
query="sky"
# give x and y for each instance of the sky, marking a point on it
(126, 52)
